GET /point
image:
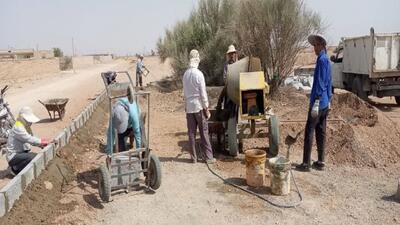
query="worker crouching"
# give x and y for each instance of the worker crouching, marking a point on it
(125, 121)
(21, 139)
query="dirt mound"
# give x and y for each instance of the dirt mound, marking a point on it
(360, 135)
(38, 205)
(354, 110)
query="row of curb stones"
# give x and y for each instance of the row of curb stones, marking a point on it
(14, 189)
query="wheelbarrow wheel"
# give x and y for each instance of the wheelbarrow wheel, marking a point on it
(153, 176)
(232, 137)
(273, 136)
(104, 184)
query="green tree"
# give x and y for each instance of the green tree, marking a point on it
(208, 29)
(58, 52)
(275, 31)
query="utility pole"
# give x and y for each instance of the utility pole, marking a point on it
(73, 48)
(73, 55)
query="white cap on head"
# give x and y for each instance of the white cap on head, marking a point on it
(314, 38)
(194, 58)
(231, 49)
(27, 114)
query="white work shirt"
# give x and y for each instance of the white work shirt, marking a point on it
(194, 89)
(19, 140)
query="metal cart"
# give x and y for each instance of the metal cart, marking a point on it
(55, 105)
(122, 170)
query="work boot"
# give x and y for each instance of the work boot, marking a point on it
(211, 161)
(304, 167)
(318, 165)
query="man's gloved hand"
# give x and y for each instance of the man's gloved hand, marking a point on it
(315, 109)
(44, 142)
(329, 106)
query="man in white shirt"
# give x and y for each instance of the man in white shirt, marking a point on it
(196, 107)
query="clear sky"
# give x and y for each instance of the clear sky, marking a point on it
(128, 27)
(355, 17)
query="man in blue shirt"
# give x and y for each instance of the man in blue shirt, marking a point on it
(125, 120)
(321, 95)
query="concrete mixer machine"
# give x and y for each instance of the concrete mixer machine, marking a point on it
(246, 87)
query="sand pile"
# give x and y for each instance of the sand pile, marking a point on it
(365, 137)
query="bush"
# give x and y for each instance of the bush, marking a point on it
(273, 30)
(58, 52)
(206, 30)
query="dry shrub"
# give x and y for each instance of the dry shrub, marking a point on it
(273, 30)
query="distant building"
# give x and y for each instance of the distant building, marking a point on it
(18, 54)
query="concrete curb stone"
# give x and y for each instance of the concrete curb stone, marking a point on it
(58, 141)
(72, 127)
(3, 206)
(39, 164)
(61, 139)
(48, 152)
(68, 134)
(27, 175)
(12, 191)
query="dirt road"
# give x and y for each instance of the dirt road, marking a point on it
(190, 194)
(80, 86)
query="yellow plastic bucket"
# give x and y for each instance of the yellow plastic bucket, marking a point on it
(255, 167)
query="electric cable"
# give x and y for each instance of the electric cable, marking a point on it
(294, 205)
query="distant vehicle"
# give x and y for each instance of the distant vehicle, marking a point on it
(368, 65)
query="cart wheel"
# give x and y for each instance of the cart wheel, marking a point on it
(154, 173)
(143, 136)
(104, 184)
(232, 137)
(273, 127)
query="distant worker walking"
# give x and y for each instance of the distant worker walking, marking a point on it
(20, 140)
(196, 107)
(321, 95)
(140, 67)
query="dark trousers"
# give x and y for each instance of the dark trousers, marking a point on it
(122, 139)
(139, 80)
(319, 125)
(20, 160)
(195, 120)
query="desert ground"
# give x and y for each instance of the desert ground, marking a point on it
(356, 188)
